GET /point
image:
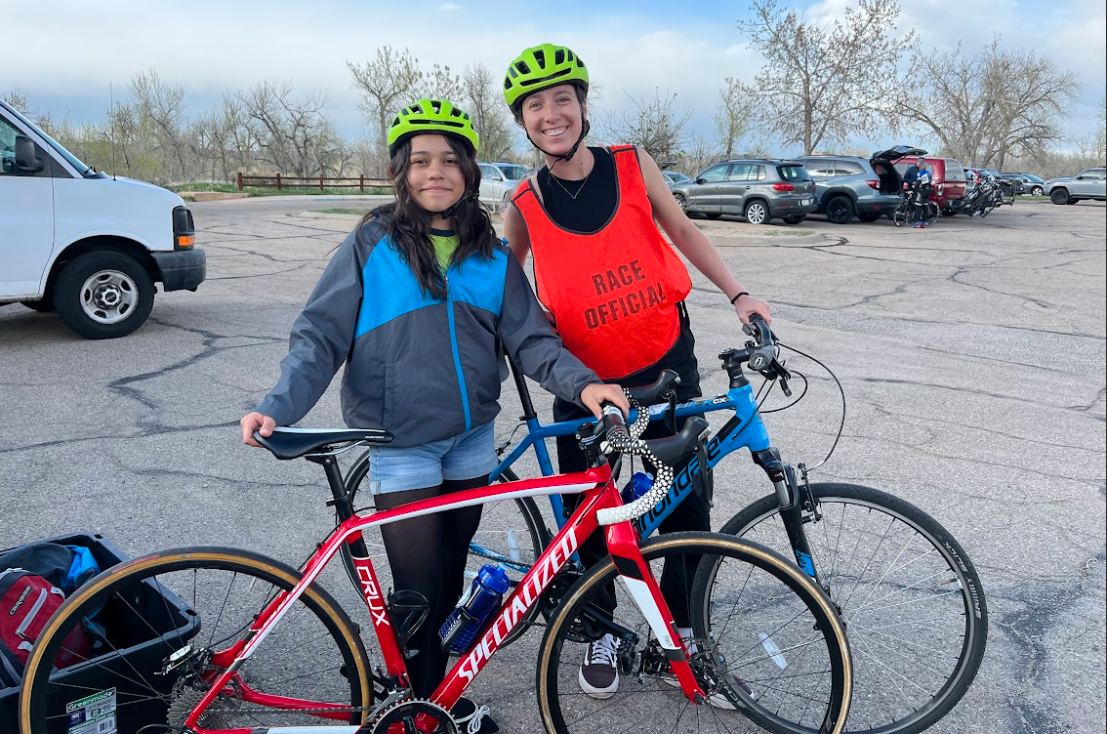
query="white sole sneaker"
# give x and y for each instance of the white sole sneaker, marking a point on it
(597, 693)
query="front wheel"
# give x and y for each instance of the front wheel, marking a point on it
(901, 215)
(767, 640)
(1060, 197)
(168, 624)
(839, 210)
(104, 295)
(909, 595)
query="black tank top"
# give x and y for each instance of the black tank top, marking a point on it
(593, 207)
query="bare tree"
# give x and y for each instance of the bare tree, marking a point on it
(733, 114)
(484, 103)
(159, 106)
(295, 136)
(441, 83)
(654, 126)
(385, 83)
(824, 84)
(990, 105)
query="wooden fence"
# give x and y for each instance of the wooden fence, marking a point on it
(280, 181)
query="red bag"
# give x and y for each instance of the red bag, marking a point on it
(27, 602)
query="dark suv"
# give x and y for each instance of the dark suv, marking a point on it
(755, 188)
(848, 186)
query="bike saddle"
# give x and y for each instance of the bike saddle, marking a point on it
(658, 391)
(292, 443)
(674, 448)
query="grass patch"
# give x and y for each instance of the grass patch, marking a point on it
(340, 210)
(228, 188)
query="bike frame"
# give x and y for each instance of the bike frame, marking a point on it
(744, 430)
(599, 492)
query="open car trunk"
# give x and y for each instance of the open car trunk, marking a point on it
(883, 165)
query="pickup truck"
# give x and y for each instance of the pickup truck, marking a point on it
(84, 244)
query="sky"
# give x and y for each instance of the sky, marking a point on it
(631, 48)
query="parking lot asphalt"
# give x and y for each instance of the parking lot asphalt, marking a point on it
(971, 354)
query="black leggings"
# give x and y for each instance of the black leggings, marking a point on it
(427, 554)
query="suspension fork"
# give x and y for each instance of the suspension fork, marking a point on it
(793, 499)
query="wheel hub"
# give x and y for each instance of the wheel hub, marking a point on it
(109, 296)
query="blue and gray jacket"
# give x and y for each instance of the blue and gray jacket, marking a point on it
(421, 367)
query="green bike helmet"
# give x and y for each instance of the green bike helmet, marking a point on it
(431, 116)
(542, 67)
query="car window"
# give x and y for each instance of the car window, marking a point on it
(847, 168)
(793, 173)
(515, 173)
(954, 170)
(739, 172)
(1091, 175)
(820, 169)
(756, 173)
(714, 174)
(8, 134)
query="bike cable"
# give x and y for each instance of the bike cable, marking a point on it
(841, 391)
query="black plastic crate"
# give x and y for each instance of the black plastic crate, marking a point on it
(137, 627)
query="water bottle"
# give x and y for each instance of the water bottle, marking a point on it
(474, 609)
(638, 485)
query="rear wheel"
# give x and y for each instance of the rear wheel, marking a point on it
(176, 620)
(839, 210)
(1036, 191)
(756, 212)
(948, 212)
(869, 216)
(764, 617)
(795, 219)
(910, 597)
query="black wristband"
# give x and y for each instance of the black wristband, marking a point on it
(740, 294)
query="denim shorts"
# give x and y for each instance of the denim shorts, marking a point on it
(469, 455)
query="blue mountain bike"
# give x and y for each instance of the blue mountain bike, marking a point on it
(911, 599)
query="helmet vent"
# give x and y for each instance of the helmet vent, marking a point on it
(559, 57)
(540, 57)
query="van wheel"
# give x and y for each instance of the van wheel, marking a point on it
(839, 210)
(104, 295)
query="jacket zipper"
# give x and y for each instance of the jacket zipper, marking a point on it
(21, 630)
(457, 355)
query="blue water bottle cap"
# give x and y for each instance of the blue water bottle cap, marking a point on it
(495, 578)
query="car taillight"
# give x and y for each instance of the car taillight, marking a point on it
(783, 187)
(874, 184)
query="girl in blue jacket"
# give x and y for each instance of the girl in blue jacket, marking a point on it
(416, 302)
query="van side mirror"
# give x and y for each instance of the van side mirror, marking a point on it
(25, 158)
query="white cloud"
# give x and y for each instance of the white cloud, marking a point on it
(449, 7)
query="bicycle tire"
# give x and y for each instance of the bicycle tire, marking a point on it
(537, 538)
(789, 587)
(873, 693)
(931, 212)
(148, 592)
(899, 216)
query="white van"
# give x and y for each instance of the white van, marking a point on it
(87, 245)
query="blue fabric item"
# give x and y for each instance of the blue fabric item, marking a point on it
(83, 568)
(479, 282)
(390, 291)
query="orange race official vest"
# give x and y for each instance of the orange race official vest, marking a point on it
(613, 293)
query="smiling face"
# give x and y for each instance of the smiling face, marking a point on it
(434, 176)
(553, 118)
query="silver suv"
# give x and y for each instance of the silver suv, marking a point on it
(755, 188)
(847, 186)
(1090, 184)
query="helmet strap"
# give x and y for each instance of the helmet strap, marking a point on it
(469, 195)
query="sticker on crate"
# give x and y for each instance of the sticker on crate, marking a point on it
(93, 714)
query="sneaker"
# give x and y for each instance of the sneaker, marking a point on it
(599, 673)
(475, 717)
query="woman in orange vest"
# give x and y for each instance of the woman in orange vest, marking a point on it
(613, 286)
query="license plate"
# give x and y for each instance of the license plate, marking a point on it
(807, 201)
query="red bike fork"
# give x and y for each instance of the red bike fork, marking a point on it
(622, 543)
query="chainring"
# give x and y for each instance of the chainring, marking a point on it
(404, 713)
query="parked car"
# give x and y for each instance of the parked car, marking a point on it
(1090, 184)
(949, 182)
(84, 244)
(848, 186)
(755, 188)
(672, 178)
(498, 182)
(1031, 184)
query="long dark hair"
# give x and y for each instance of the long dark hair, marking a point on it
(409, 224)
